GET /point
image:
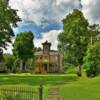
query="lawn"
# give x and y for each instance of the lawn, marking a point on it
(36, 79)
(83, 89)
(71, 87)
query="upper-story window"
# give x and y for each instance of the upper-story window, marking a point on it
(40, 57)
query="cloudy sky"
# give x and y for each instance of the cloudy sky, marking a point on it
(43, 17)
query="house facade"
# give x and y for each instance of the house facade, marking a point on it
(47, 60)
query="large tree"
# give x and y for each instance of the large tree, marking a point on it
(92, 59)
(24, 47)
(8, 19)
(74, 39)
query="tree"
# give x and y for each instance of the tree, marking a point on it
(9, 61)
(36, 49)
(23, 47)
(30, 63)
(8, 19)
(74, 38)
(94, 31)
(92, 59)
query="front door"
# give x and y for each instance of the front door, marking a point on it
(45, 67)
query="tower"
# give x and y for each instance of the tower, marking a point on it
(46, 47)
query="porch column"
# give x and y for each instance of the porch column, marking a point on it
(48, 67)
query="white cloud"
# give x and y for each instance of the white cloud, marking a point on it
(91, 9)
(8, 49)
(51, 36)
(42, 11)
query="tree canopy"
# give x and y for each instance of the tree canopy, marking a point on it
(23, 47)
(8, 19)
(74, 38)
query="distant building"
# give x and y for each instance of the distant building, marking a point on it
(47, 60)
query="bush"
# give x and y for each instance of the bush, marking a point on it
(15, 69)
(92, 60)
(79, 74)
(9, 61)
(70, 69)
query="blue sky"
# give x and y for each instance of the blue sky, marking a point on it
(37, 30)
(44, 17)
(41, 16)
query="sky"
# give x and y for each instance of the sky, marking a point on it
(44, 17)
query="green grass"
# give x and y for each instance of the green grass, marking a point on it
(71, 87)
(30, 79)
(14, 81)
(83, 89)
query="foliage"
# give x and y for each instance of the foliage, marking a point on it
(30, 63)
(94, 32)
(23, 47)
(74, 39)
(92, 59)
(8, 19)
(36, 49)
(1, 54)
(71, 69)
(9, 61)
(16, 62)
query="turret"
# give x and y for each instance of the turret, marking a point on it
(46, 47)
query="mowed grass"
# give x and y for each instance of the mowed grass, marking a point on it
(83, 89)
(71, 87)
(36, 79)
(15, 81)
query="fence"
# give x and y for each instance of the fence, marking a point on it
(21, 93)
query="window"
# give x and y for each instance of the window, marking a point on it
(40, 57)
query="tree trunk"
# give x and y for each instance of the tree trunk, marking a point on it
(24, 66)
(79, 70)
(21, 65)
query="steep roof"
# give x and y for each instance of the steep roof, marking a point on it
(46, 42)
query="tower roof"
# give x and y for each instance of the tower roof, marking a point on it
(46, 42)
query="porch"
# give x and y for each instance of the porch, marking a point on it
(47, 68)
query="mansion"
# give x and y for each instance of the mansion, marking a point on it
(47, 60)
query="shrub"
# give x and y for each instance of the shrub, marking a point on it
(92, 60)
